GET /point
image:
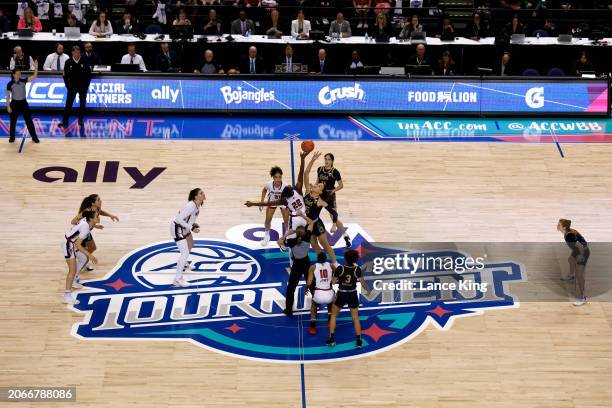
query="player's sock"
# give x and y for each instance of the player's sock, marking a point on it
(266, 238)
(331, 340)
(358, 342)
(347, 240)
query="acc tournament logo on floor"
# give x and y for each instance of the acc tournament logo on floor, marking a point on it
(237, 294)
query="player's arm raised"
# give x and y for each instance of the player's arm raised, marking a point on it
(314, 158)
(300, 180)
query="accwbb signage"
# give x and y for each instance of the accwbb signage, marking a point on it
(237, 294)
(153, 93)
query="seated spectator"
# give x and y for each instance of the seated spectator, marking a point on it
(90, 57)
(382, 5)
(242, 25)
(447, 29)
(300, 27)
(514, 27)
(322, 65)
(29, 21)
(167, 60)
(252, 3)
(209, 2)
(504, 66)
(477, 29)
(582, 64)
(5, 24)
(71, 21)
(213, 26)
(127, 25)
(289, 59)
(356, 66)
(210, 65)
(362, 8)
(410, 27)
(101, 27)
(181, 19)
(132, 58)
(56, 60)
(551, 28)
(381, 28)
(446, 66)
(419, 58)
(252, 63)
(21, 61)
(340, 27)
(274, 29)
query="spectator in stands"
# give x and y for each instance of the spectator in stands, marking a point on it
(447, 29)
(252, 3)
(582, 64)
(322, 65)
(252, 63)
(181, 19)
(42, 11)
(71, 21)
(446, 65)
(356, 66)
(5, 24)
(381, 28)
(504, 66)
(340, 27)
(21, 61)
(419, 58)
(77, 77)
(274, 29)
(167, 60)
(132, 58)
(101, 27)
(514, 27)
(209, 2)
(127, 25)
(213, 26)
(90, 57)
(242, 25)
(56, 60)
(382, 6)
(210, 65)
(551, 28)
(409, 27)
(29, 21)
(289, 60)
(477, 29)
(300, 27)
(362, 8)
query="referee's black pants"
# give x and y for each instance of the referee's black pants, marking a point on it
(299, 269)
(21, 108)
(72, 93)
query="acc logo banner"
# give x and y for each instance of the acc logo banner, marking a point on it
(237, 294)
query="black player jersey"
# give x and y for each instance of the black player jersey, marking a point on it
(572, 238)
(328, 177)
(312, 208)
(347, 277)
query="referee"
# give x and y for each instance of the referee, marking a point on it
(77, 76)
(17, 104)
(300, 263)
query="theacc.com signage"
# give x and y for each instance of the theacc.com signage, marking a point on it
(334, 94)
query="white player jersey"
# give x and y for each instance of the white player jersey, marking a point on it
(274, 193)
(295, 203)
(81, 230)
(323, 276)
(187, 216)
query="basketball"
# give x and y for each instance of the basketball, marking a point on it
(308, 146)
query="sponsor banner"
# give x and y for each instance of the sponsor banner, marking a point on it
(235, 95)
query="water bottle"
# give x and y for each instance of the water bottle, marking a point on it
(367, 37)
(248, 33)
(538, 35)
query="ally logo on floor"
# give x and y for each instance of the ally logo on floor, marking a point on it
(237, 290)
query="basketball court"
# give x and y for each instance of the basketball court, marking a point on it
(533, 350)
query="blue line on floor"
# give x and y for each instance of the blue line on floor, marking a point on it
(559, 148)
(22, 143)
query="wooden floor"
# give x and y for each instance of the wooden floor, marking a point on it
(539, 355)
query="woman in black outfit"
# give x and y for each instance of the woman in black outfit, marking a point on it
(577, 259)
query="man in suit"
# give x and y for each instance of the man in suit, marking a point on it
(167, 60)
(90, 56)
(321, 64)
(252, 63)
(289, 60)
(340, 26)
(419, 57)
(242, 25)
(300, 27)
(504, 66)
(77, 76)
(126, 25)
